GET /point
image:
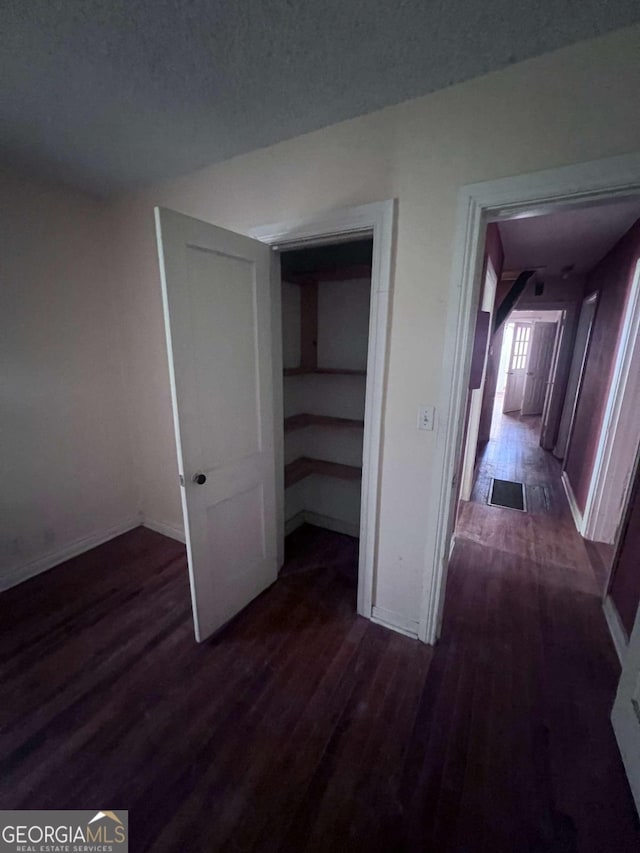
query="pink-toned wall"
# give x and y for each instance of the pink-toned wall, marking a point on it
(612, 279)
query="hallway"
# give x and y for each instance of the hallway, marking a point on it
(545, 533)
(514, 453)
(536, 666)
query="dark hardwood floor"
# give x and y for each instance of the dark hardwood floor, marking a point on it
(311, 547)
(514, 453)
(532, 632)
(303, 727)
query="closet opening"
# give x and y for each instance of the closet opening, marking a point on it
(326, 299)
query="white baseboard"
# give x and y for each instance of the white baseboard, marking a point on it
(395, 621)
(573, 504)
(294, 522)
(452, 544)
(73, 549)
(319, 520)
(169, 530)
(336, 524)
(616, 629)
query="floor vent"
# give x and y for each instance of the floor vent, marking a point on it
(508, 494)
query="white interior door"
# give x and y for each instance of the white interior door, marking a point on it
(517, 367)
(537, 378)
(626, 712)
(216, 294)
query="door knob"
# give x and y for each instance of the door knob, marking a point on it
(200, 479)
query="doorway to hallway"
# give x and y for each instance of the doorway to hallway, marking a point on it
(534, 590)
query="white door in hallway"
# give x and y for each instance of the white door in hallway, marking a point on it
(216, 289)
(537, 374)
(517, 367)
(626, 712)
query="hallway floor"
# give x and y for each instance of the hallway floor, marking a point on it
(546, 532)
(532, 602)
(514, 453)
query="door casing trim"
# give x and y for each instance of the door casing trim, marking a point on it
(376, 220)
(478, 204)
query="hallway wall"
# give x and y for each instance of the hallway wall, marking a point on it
(612, 279)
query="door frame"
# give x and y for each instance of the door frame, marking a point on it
(375, 220)
(478, 204)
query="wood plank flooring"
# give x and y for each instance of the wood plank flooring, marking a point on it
(532, 601)
(547, 532)
(310, 547)
(303, 727)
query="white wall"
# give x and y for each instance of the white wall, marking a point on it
(325, 394)
(66, 477)
(336, 501)
(343, 323)
(295, 499)
(573, 105)
(290, 324)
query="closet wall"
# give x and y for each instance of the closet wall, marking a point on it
(325, 322)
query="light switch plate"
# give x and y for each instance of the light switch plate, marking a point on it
(426, 415)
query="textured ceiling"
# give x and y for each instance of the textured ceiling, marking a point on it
(107, 94)
(579, 237)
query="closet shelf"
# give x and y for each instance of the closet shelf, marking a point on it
(301, 421)
(300, 371)
(345, 273)
(305, 466)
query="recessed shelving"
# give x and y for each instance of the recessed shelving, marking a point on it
(325, 313)
(339, 371)
(304, 420)
(305, 466)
